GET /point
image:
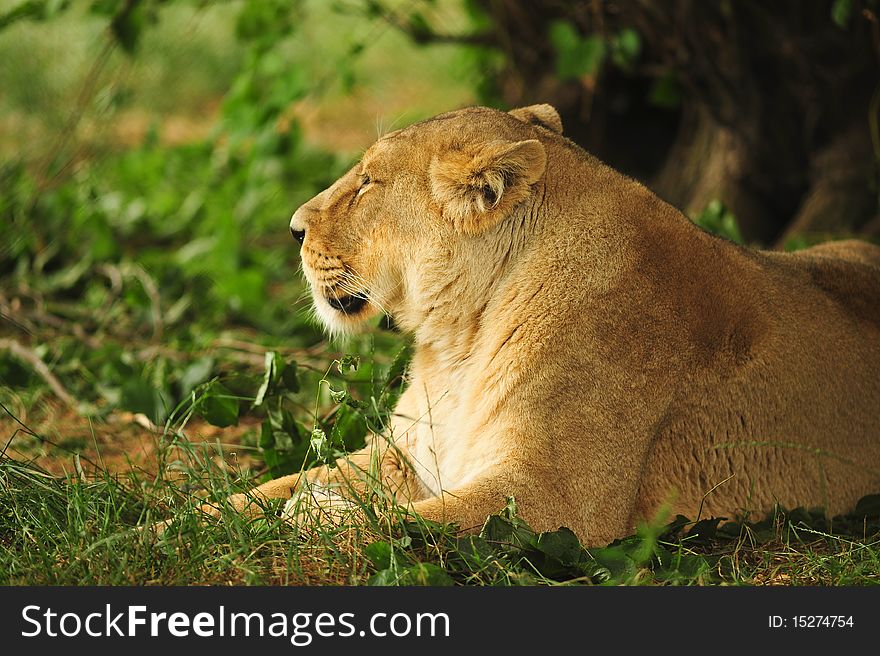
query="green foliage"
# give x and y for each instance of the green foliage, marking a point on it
(666, 92)
(626, 46)
(81, 531)
(283, 440)
(718, 219)
(579, 56)
(37, 10)
(151, 278)
(576, 56)
(127, 18)
(394, 566)
(841, 12)
(287, 445)
(130, 270)
(218, 405)
(265, 22)
(507, 551)
(279, 377)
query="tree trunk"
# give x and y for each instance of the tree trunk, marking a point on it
(776, 112)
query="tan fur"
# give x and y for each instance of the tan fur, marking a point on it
(582, 346)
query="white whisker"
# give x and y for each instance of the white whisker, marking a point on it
(354, 284)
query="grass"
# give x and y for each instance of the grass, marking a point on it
(84, 528)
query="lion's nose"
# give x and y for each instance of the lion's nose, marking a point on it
(299, 235)
(298, 225)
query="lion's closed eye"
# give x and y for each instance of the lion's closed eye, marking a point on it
(365, 181)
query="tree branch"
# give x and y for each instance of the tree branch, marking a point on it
(28, 356)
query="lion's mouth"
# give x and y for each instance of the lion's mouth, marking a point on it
(347, 303)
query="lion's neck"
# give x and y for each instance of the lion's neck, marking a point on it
(448, 315)
(451, 319)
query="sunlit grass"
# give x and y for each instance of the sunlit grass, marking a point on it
(92, 527)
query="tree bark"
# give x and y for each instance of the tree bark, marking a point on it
(776, 113)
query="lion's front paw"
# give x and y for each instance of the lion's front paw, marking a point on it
(317, 503)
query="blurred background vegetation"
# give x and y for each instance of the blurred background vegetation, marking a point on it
(152, 152)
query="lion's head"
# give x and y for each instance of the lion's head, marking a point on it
(425, 206)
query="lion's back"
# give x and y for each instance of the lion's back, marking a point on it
(796, 421)
(849, 250)
(847, 271)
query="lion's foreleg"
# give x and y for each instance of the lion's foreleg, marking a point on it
(378, 469)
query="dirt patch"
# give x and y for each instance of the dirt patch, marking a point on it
(60, 441)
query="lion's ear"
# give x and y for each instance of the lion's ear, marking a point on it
(544, 116)
(476, 188)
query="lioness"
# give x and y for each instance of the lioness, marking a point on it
(584, 347)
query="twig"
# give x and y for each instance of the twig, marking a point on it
(28, 356)
(18, 324)
(86, 94)
(116, 273)
(24, 429)
(6, 312)
(27, 321)
(152, 292)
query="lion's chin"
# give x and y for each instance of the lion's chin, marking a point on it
(350, 305)
(343, 315)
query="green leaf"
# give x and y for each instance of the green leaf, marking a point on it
(383, 577)
(731, 530)
(718, 219)
(283, 441)
(612, 563)
(576, 57)
(278, 376)
(271, 367)
(194, 375)
(38, 10)
(684, 567)
(508, 530)
(280, 420)
(394, 379)
(474, 551)
(320, 444)
(349, 426)
(380, 554)
(704, 530)
(841, 12)
(674, 528)
(562, 544)
(666, 92)
(348, 363)
(425, 574)
(139, 395)
(128, 25)
(626, 48)
(218, 406)
(289, 379)
(419, 29)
